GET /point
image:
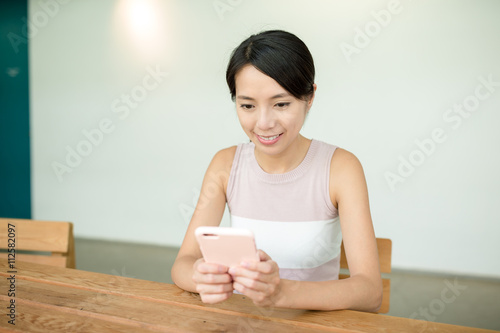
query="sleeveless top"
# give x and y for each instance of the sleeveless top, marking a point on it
(290, 214)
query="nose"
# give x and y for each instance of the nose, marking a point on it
(266, 119)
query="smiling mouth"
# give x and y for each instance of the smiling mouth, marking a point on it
(269, 138)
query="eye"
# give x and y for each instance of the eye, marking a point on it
(246, 106)
(282, 105)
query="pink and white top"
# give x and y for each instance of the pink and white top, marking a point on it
(290, 214)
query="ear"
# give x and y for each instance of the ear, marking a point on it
(311, 99)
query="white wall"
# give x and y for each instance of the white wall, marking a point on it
(139, 182)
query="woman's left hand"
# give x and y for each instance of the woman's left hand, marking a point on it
(259, 281)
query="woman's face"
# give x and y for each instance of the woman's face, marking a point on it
(269, 115)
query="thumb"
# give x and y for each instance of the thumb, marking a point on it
(263, 256)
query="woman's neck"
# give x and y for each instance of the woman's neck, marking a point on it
(287, 160)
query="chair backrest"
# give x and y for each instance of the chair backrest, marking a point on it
(384, 246)
(53, 241)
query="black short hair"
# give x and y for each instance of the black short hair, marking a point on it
(278, 54)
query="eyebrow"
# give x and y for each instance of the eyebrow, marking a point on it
(273, 97)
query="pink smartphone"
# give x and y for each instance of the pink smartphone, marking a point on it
(226, 246)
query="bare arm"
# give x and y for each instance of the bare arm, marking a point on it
(189, 271)
(351, 196)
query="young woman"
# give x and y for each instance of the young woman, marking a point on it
(299, 196)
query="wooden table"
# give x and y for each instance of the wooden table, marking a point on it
(52, 299)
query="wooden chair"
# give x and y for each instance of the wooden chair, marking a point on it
(53, 241)
(384, 246)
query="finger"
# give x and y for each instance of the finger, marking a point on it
(203, 288)
(264, 267)
(215, 298)
(212, 278)
(263, 256)
(206, 267)
(259, 298)
(250, 283)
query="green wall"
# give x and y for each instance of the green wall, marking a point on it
(15, 192)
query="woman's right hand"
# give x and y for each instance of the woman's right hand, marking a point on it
(213, 282)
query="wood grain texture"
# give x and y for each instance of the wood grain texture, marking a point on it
(65, 300)
(60, 261)
(38, 319)
(55, 238)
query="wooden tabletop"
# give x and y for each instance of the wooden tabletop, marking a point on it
(52, 299)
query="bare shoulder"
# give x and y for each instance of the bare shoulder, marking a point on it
(343, 159)
(226, 154)
(346, 173)
(221, 164)
(223, 159)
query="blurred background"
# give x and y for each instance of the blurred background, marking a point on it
(111, 111)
